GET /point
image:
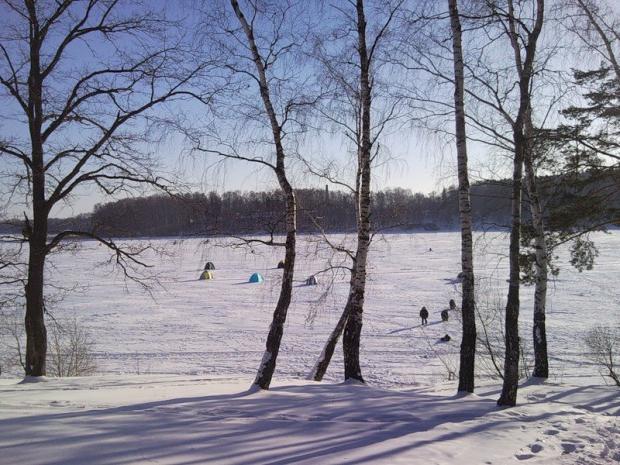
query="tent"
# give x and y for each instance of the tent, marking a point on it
(206, 274)
(280, 264)
(311, 281)
(209, 266)
(256, 278)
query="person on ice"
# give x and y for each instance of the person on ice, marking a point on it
(424, 316)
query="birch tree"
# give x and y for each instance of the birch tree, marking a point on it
(354, 73)
(268, 362)
(600, 38)
(258, 47)
(524, 41)
(468, 342)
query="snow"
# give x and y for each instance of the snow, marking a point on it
(175, 364)
(186, 420)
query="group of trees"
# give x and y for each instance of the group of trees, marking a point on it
(394, 210)
(90, 85)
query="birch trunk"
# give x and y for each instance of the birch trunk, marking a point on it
(276, 329)
(324, 360)
(524, 68)
(511, 359)
(539, 332)
(468, 342)
(353, 328)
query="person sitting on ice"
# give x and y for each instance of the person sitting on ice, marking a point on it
(452, 304)
(424, 316)
(446, 338)
(444, 315)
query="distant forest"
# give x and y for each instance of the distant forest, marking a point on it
(333, 211)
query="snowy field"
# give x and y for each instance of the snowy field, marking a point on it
(218, 327)
(174, 364)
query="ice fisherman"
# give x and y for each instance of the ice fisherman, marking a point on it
(424, 316)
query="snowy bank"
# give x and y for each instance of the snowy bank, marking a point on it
(197, 420)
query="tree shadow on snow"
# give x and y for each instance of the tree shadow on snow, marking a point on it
(400, 330)
(285, 425)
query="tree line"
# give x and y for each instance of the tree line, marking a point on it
(571, 202)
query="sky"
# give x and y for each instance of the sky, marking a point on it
(419, 160)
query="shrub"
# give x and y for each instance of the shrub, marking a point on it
(604, 344)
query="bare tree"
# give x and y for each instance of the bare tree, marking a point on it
(354, 74)
(468, 305)
(598, 36)
(598, 26)
(79, 79)
(258, 45)
(268, 363)
(523, 40)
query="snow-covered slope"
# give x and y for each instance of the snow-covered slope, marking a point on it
(194, 420)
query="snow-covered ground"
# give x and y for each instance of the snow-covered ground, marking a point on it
(197, 420)
(210, 336)
(218, 327)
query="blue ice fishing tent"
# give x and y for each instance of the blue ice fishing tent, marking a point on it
(256, 278)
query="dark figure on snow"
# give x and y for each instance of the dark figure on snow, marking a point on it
(446, 338)
(452, 304)
(444, 315)
(424, 316)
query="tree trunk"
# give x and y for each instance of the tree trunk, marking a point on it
(511, 359)
(468, 341)
(539, 332)
(353, 328)
(320, 368)
(272, 347)
(522, 147)
(36, 334)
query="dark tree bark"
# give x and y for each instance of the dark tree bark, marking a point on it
(511, 360)
(468, 342)
(36, 334)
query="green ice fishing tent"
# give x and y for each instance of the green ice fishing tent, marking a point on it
(205, 275)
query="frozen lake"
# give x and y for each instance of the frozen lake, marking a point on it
(218, 327)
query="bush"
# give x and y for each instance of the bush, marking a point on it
(12, 343)
(69, 350)
(604, 344)
(69, 346)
